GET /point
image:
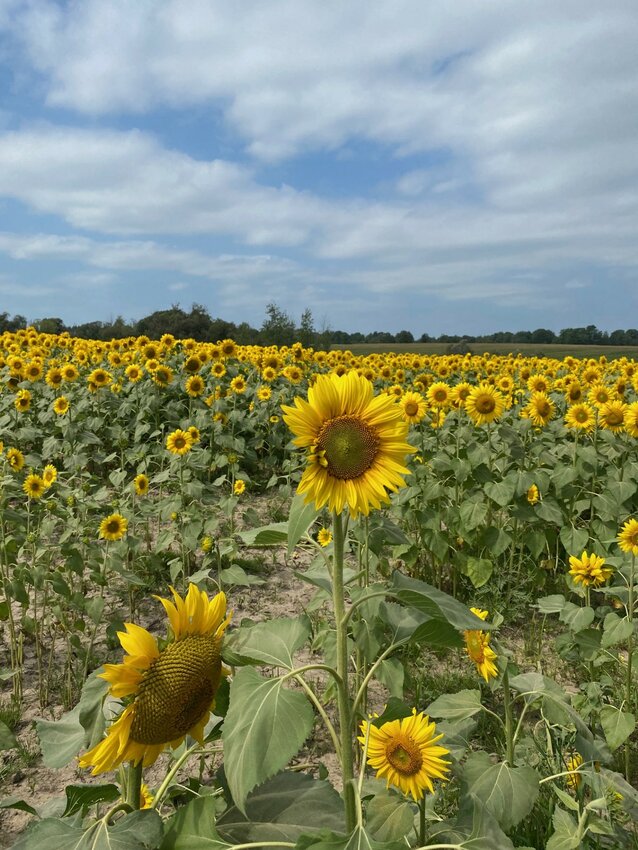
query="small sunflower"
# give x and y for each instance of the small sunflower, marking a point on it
(34, 486)
(580, 417)
(195, 386)
(170, 691)
(49, 475)
(627, 537)
(141, 484)
(22, 401)
(238, 385)
(413, 406)
(179, 442)
(239, 487)
(631, 419)
(439, 394)
(355, 441)
(589, 570)
(574, 779)
(533, 495)
(540, 409)
(484, 404)
(61, 405)
(16, 459)
(478, 648)
(611, 416)
(195, 435)
(406, 753)
(324, 537)
(113, 527)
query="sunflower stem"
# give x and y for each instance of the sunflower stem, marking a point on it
(509, 730)
(134, 784)
(630, 647)
(343, 690)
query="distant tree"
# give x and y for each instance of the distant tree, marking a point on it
(522, 336)
(357, 338)
(278, 328)
(543, 335)
(49, 325)
(631, 336)
(404, 336)
(306, 332)
(425, 338)
(380, 336)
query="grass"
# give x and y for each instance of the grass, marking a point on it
(528, 349)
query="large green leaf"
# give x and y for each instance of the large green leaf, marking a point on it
(80, 797)
(479, 571)
(458, 706)
(282, 809)
(566, 835)
(61, 740)
(616, 630)
(435, 603)
(300, 519)
(265, 727)
(508, 793)
(388, 817)
(472, 515)
(272, 642)
(193, 827)
(7, 738)
(577, 617)
(275, 534)
(358, 840)
(474, 829)
(135, 831)
(617, 725)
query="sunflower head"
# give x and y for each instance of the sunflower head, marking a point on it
(406, 753)
(589, 570)
(170, 691)
(113, 527)
(628, 537)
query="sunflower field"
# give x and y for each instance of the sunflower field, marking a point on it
(284, 598)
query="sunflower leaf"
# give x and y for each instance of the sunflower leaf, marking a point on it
(508, 793)
(193, 827)
(273, 642)
(265, 727)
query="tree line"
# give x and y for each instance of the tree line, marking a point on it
(279, 328)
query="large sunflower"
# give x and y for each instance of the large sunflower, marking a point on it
(171, 690)
(405, 752)
(355, 440)
(484, 404)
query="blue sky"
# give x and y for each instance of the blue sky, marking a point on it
(438, 167)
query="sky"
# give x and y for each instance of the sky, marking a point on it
(435, 167)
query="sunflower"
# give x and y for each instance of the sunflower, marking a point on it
(34, 486)
(22, 401)
(239, 487)
(16, 459)
(133, 373)
(264, 393)
(580, 417)
(33, 371)
(405, 752)
(99, 377)
(477, 647)
(69, 372)
(533, 495)
(413, 406)
(163, 376)
(589, 570)
(631, 419)
(611, 416)
(141, 483)
(192, 365)
(49, 475)
(61, 405)
(460, 393)
(573, 778)
(218, 370)
(195, 386)
(573, 392)
(195, 435)
(627, 537)
(538, 384)
(324, 537)
(484, 404)
(356, 443)
(179, 442)
(599, 394)
(54, 377)
(113, 527)
(540, 409)
(439, 394)
(238, 385)
(170, 691)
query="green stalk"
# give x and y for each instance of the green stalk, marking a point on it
(134, 785)
(343, 691)
(509, 730)
(630, 647)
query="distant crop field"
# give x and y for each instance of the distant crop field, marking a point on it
(529, 349)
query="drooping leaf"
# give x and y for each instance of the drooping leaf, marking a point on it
(193, 827)
(275, 534)
(617, 725)
(566, 835)
(508, 793)
(300, 519)
(616, 630)
(61, 740)
(389, 818)
(265, 727)
(135, 831)
(282, 809)
(79, 797)
(479, 571)
(7, 739)
(474, 829)
(272, 642)
(435, 603)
